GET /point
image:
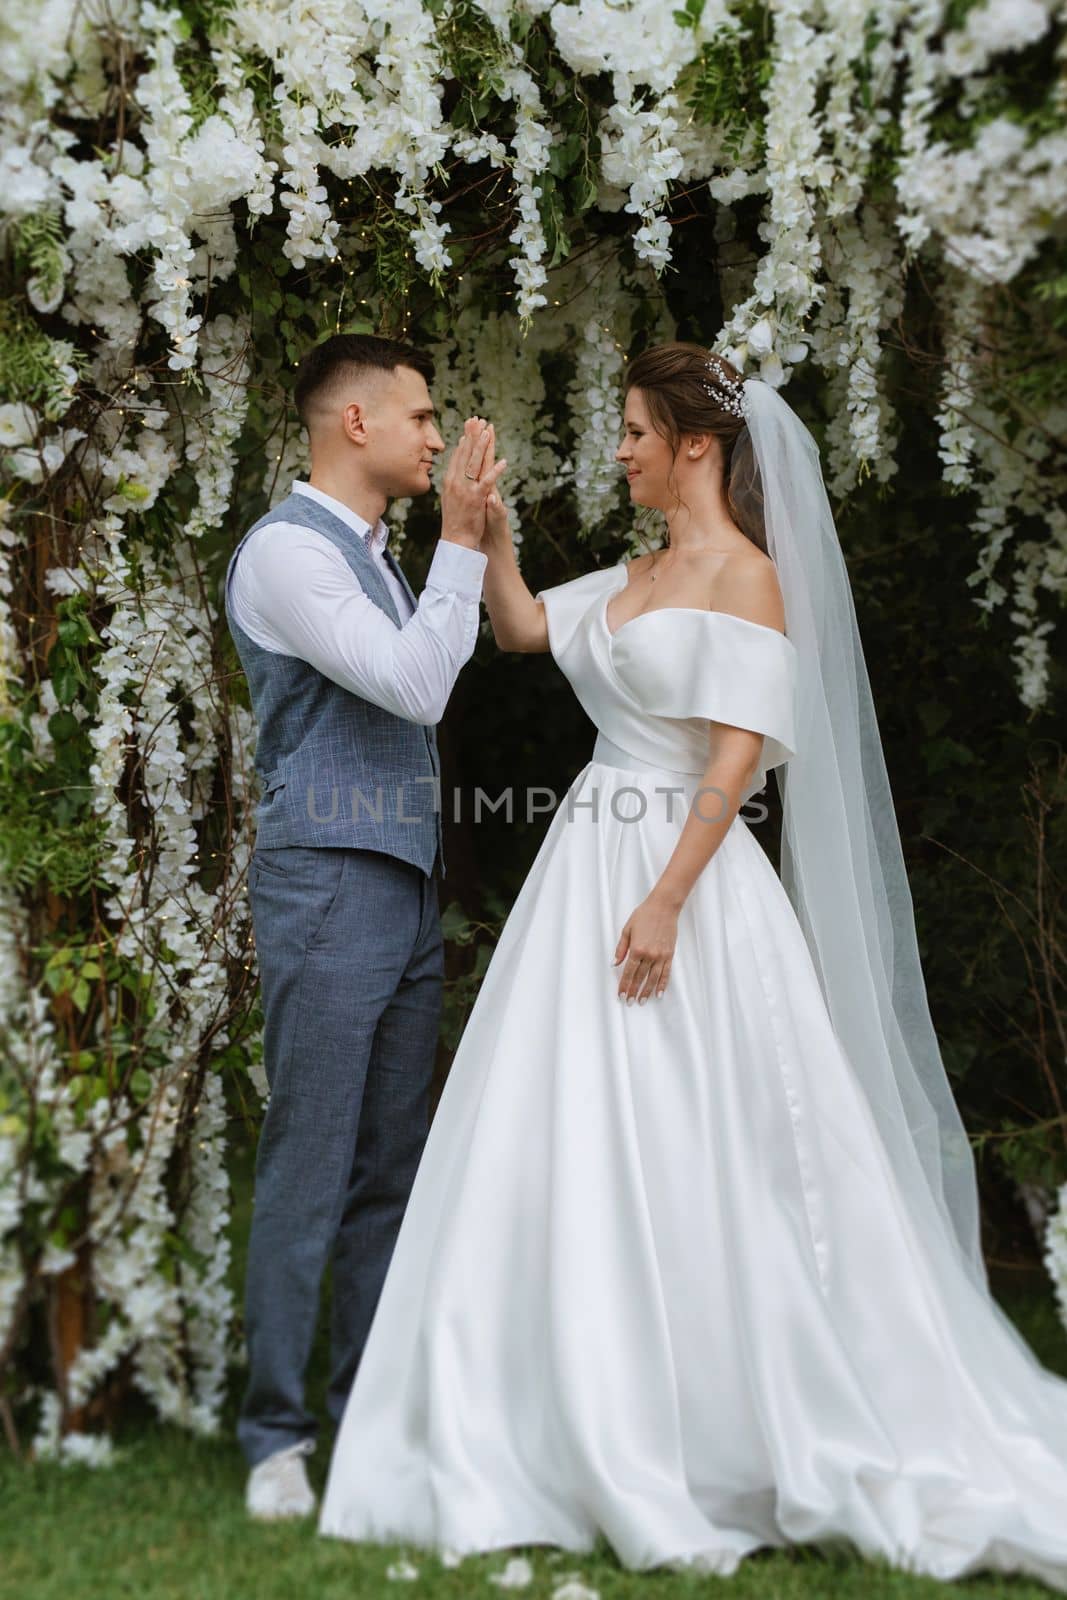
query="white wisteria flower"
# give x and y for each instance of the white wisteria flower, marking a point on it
(1056, 1250)
(992, 29)
(18, 425)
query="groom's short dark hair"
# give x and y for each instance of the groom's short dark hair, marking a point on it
(338, 355)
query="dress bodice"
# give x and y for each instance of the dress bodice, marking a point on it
(652, 686)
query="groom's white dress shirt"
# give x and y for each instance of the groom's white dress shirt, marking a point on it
(294, 593)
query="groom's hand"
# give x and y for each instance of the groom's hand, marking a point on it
(469, 480)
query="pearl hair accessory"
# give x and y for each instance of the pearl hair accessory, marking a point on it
(726, 392)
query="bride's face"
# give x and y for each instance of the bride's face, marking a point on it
(646, 455)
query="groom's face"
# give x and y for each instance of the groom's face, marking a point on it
(401, 439)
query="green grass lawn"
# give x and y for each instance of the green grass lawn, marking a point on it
(167, 1523)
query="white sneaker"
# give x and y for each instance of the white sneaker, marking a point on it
(278, 1486)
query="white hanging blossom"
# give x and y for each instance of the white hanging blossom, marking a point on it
(990, 202)
(963, 310)
(637, 150)
(1030, 653)
(641, 45)
(992, 29)
(530, 152)
(291, 459)
(155, 1316)
(15, 1007)
(205, 1292)
(596, 402)
(213, 433)
(164, 209)
(918, 102)
(487, 367)
(847, 337)
(769, 327)
(852, 119)
(1012, 494)
(596, 389)
(1056, 1250)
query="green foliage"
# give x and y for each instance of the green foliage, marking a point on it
(462, 932)
(200, 21)
(49, 835)
(569, 187)
(38, 249)
(724, 87)
(33, 367)
(476, 57)
(690, 15)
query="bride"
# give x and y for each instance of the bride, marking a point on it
(701, 1273)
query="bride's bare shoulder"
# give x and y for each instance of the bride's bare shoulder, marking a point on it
(747, 585)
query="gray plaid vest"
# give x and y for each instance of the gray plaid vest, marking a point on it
(336, 769)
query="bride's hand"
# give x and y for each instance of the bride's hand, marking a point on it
(497, 523)
(497, 526)
(647, 942)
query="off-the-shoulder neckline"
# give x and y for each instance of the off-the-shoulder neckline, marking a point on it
(668, 611)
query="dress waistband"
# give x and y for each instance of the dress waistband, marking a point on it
(612, 755)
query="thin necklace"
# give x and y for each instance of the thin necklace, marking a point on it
(652, 568)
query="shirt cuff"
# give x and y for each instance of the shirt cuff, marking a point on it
(457, 568)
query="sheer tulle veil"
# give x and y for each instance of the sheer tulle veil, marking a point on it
(841, 860)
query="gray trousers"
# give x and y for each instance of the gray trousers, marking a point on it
(351, 966)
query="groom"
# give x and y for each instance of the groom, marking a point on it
(348, 673)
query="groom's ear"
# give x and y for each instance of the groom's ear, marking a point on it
(354, 422)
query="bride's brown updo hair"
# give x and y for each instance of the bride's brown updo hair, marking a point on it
(687, 389)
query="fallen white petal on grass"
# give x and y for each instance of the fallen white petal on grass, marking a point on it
(516, 1575)
(572, 1588)
(449, 1558)
(402, 1570)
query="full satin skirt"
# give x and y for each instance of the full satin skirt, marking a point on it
(655, 1280)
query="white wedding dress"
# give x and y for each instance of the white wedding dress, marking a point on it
(654, 1279)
